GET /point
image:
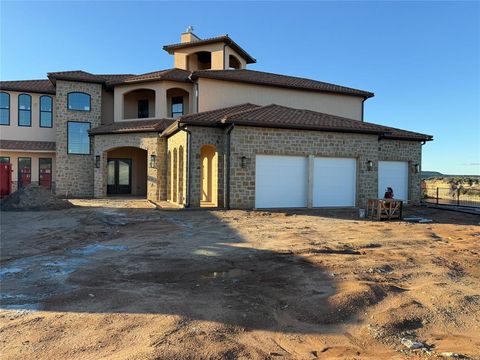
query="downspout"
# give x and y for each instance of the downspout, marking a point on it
(189, 134)
(227, 167)
(363, 108)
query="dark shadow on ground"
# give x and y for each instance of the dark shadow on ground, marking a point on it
(191, 264)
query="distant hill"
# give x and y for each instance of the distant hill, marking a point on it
(429, 174)
(436, 174)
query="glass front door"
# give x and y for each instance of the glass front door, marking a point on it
(119, 176)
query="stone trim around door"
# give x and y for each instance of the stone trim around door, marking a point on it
(151, 142)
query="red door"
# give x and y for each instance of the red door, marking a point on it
(24, 171)
(45, 173)
(5, 179)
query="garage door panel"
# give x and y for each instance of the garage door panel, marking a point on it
(393, 174)
(280, 181)
(334, 182)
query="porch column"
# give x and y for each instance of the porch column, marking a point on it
(100, 175)
(161, 103)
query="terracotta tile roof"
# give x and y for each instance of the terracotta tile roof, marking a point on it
(168, 74)
(27, 145)
(285, 117)
(277, 116)
(35, 86)
(134, 126)
(223, 39)
(270, 79)
(83, 76)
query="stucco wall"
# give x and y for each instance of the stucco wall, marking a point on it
(250, 141)
(75, 172)
(31, 133)
(161, 102)
(216, 94)
(147, 141)
(35, 156)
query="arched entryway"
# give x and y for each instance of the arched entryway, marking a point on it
(127, 171)
(209, 176)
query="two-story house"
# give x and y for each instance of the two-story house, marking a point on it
(206, 133)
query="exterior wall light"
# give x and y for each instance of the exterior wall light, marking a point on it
(97, 161)
(416, 168)
(369, 165)
(153, 161)
(243, 162)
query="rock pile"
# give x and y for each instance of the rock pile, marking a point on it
(33, 198)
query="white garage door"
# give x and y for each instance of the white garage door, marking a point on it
(280, 181)
(334, 182)
(393, 174)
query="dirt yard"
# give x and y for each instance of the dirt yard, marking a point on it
(120, 280)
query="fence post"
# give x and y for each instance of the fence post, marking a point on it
(458, 197)
(437, 195)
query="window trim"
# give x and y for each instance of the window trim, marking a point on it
(68, 138)
(30, 111)
(4, 92)
(79, 92)
(6, 157)
(40, 111)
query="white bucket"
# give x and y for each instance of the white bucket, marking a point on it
(361, 213)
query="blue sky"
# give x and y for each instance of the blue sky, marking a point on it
(422, 59)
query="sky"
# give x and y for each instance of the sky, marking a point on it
(421, 59)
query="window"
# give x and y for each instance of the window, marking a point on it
(78, 140)
(4, 159)
(4, 108)
(143, 108)
(78, 101)
(177, 106)
(46, 109)
(24, 110)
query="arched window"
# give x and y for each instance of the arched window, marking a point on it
(233, 62)
(46, 111)
(24, 110)
(78, 101)
(4, 108)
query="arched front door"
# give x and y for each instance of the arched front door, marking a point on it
(209, 175)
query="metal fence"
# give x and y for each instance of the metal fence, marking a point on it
(469, 197)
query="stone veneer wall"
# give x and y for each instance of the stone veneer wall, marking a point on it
(74, 173)
(205, 136)
(178, 143)
(156, 183)
(411, 151)
(250, 141)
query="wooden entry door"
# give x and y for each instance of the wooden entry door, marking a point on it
(119, 176)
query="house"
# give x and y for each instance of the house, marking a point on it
(206, 133)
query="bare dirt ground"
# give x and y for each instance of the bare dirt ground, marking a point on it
(117, 279)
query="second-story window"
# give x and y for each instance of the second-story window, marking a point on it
(4, 108)
(78, 101)
(143, 108)
(177, 106)
(46, 111)
(24, 110)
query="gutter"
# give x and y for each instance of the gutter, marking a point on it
(227, 167)
(188, 177)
